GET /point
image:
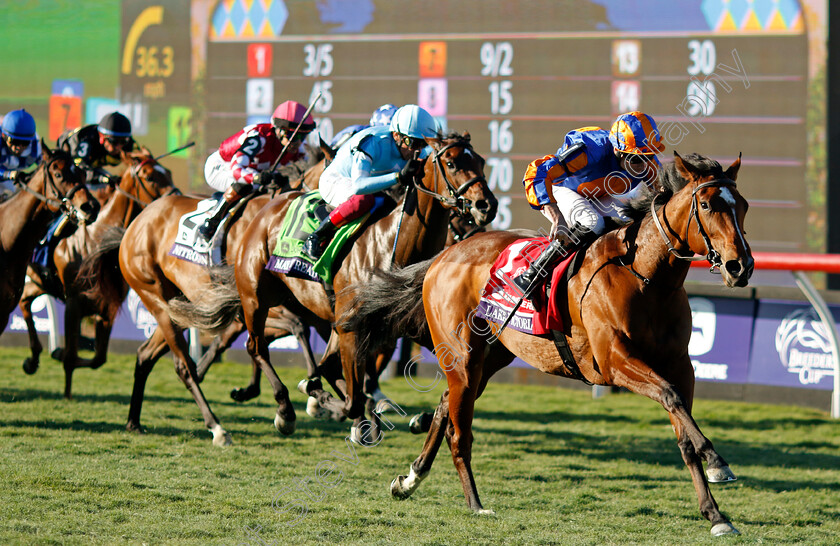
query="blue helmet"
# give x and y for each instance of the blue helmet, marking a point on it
(413, 121)
(382, 115)
(19, 124)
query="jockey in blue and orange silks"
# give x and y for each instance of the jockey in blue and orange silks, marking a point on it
(592, 176)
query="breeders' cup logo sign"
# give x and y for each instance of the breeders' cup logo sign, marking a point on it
(802, 342)
(140, 316)
(703, 325)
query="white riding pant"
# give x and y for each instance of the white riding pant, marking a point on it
(217, 172)
(334, 188)
(590, 212)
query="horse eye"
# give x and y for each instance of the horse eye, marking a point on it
(704, 205)
(450, 164)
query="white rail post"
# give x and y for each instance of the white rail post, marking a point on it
(825, 315)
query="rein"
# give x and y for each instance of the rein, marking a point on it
(456, 199)
(713, 256)
(63, 201)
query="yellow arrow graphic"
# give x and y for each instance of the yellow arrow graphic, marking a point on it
(153, 15)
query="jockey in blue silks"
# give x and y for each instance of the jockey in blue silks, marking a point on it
(20, 148)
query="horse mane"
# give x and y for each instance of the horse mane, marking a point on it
(296, 169)
(668, 182)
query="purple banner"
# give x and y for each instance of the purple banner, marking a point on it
(721, 336)
(791, 347)
(41, 315)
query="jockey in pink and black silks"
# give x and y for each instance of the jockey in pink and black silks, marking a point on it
(593, 175)
(243, 159)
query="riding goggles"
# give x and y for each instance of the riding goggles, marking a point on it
(412, 143)
(17, 142)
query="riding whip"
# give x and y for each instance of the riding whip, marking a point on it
(176, 150)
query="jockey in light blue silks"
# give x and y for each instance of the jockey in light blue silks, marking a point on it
(20, 148)
(373, 160)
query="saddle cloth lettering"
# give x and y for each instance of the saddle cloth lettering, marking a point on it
(298, 224)
(189, 245)
(536, 315)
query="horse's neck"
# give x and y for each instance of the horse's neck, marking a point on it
(23, 220)
(422, 234)
(653, 259)
(119, 211)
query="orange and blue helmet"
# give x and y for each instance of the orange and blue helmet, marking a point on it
(636, 133)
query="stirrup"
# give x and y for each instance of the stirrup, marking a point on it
(312, 247)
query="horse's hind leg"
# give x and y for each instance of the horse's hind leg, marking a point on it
(30, 292)
(638, 377)
(256, 312)
(147, 355)
(403, 486)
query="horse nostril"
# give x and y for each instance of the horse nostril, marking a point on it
(733, 267)
(482, 206)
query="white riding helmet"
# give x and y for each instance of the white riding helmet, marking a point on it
(413, 121)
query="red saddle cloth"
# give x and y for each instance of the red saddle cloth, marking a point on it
(536, 315)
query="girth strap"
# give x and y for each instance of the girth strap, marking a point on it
(566, 355)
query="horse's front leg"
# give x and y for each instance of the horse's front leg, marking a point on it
(30, 292)
(623, 368)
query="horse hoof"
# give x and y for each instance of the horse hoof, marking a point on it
(283, 426)
(720, 475)
(484, 512)
(222, 439)
(397, 490)
(378, 395)
(355, 436)
(305, 386)
(383, 405)
(243, 395)
(58, 354)
(134, 427)
(724, 529)
(420, 423)
(30, 366)
(314, 409)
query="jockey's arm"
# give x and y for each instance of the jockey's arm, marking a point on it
(361, 179)
(242, 167)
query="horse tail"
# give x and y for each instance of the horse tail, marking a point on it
(387, 307)
(99, 273)
(215, 308)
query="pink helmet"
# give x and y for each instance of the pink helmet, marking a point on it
(289, 115)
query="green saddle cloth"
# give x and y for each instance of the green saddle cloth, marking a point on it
(300, 222)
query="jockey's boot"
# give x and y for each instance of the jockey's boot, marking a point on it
(541, 268)
(319, 239)
(208, 228)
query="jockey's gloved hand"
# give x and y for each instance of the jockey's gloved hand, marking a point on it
(110, 179)
(279, 179)
(17, 176)
(409, 170)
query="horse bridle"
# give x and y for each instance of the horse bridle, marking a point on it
(713, 256)
(456, 199)
(135, 172)
(63, 202)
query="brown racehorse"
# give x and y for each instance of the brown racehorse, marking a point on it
(451, 178)
(143, 181)
(157, 278)
(56, 185)
(628, 312)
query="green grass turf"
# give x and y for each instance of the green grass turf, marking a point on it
(555, 465)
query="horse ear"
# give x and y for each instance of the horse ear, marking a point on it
(329, 153)
(434, 142)
(466, 135)
(732, 172)
(46, 153)
(684, 169)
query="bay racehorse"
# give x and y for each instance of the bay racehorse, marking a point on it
(451, 178)
(628, 315)
(143, 181)
(57, 185)
(157, 278)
